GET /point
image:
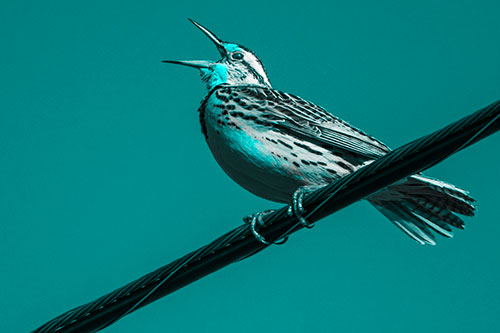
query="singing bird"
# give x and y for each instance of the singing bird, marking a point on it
(279, 146)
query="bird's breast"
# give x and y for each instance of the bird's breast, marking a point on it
(234, 139)
(240, 147)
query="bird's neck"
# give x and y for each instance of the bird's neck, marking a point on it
(220, 74)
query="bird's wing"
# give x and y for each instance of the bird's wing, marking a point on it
(309, 122)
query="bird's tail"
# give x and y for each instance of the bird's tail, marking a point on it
(422, 206)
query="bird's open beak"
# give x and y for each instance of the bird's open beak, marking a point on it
(201, 63)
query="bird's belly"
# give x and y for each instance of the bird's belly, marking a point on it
(272, 165)
(247, 160)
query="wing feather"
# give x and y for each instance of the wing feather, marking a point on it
(310, 122)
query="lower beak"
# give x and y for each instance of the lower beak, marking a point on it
(190, 63)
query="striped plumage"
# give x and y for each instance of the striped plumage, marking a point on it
(273, 143)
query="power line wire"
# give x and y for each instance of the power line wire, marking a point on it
(240, 243)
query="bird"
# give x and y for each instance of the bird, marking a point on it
(280, 147)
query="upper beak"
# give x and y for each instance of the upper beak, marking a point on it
(216, 40)
(201, 63)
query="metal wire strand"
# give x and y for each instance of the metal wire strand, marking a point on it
(240, 243)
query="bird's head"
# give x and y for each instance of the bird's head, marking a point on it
(238, 66)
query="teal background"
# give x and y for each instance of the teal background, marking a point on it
(105, 176)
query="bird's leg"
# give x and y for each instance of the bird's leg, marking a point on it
(296, 208)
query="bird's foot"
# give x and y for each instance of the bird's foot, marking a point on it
(296, 207)
(248, 219)
(257, 218)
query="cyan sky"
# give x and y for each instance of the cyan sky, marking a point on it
(105, 176)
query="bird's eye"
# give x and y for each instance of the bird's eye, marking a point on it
(237, 56)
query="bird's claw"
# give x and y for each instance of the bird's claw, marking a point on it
(257, 218)
(297, 208)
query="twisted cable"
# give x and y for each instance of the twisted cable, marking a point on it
(240, 243)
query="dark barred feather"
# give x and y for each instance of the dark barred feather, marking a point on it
(420, 206)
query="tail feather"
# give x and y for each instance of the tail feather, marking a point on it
(439, 215)
(436, 225)
(403, 218)
(422, 206)
(438, 193)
